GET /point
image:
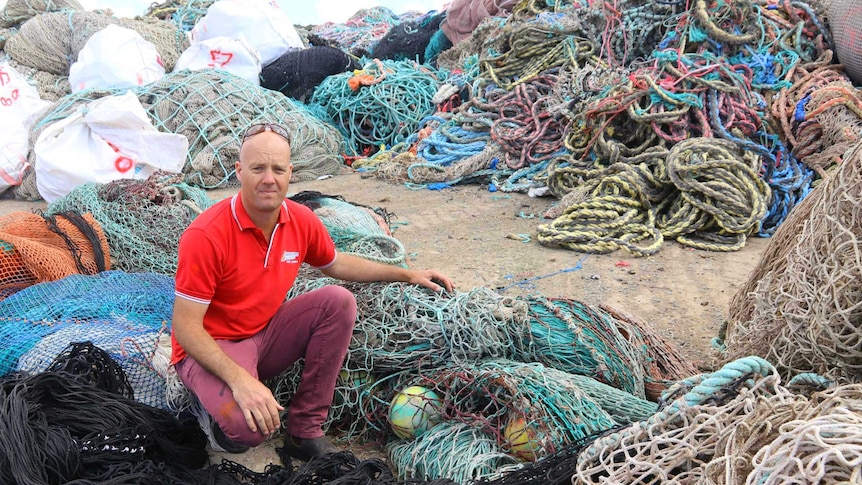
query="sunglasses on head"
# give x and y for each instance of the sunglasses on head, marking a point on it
(259, 128)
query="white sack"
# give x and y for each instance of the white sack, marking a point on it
(19, 105)
(116, 57)
(262, 23)
(108, 139)
(233, 55)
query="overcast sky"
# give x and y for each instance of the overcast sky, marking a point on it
(300, 12)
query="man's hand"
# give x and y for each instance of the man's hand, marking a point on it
(258, 405)
(431, 279)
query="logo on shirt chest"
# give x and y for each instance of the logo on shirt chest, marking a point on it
(290, 257)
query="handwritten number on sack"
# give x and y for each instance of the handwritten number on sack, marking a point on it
(219, 58)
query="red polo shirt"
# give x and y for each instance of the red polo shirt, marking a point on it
(226, 262)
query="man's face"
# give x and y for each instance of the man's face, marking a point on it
(264, 171)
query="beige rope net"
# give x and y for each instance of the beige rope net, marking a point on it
(737, 425)
(51, 41)
(801, 307)
(19, 11)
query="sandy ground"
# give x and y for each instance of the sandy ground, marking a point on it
(480, 238)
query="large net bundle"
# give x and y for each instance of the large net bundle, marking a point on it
(382, 104)
(454, 451)
(803, 313)
(845, 22)
(401, 326)
(142, 219)
(51, 41)
(123, 312)
(38, 248)
(531, 410)
(823, 444)
(664, 363)
(76, 424)
(674, 444)
(16, 12)
(212, 109)
(356, 229)
(580, 339)
(51, 87)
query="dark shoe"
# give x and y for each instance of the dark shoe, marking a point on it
(306, 449)
(226, 443)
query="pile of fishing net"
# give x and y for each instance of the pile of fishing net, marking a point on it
(16, 12)
(77, 420)
(800, 306)
(126, 314)
(142, 219)
(356, 229)
(212, 108)
(537, 351)
(736, 425)
(46, 247)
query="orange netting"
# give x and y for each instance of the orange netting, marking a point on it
(35, 249)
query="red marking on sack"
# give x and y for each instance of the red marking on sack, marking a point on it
(219, 58)
(124, 164)
(4, 77)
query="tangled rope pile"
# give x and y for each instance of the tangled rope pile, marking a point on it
(625, 102)
(799, 307)
(379, 105)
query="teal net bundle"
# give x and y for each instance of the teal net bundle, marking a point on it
(401, 326)
(142, 219)
(527, 410)
(356, 229)
(212, 109)
(51, 41)
(123, 313)
(382, 105)
(577, 338)
(799, 308)
(454, 451)
(739, 424)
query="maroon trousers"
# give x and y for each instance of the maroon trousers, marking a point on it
(317, 326)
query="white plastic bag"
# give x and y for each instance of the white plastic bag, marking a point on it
(233, 55)
(260, 22)
(108, 139)
(116, 57)
(19, 104)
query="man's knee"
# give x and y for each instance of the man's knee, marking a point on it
(236, 429)
(343, 302)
